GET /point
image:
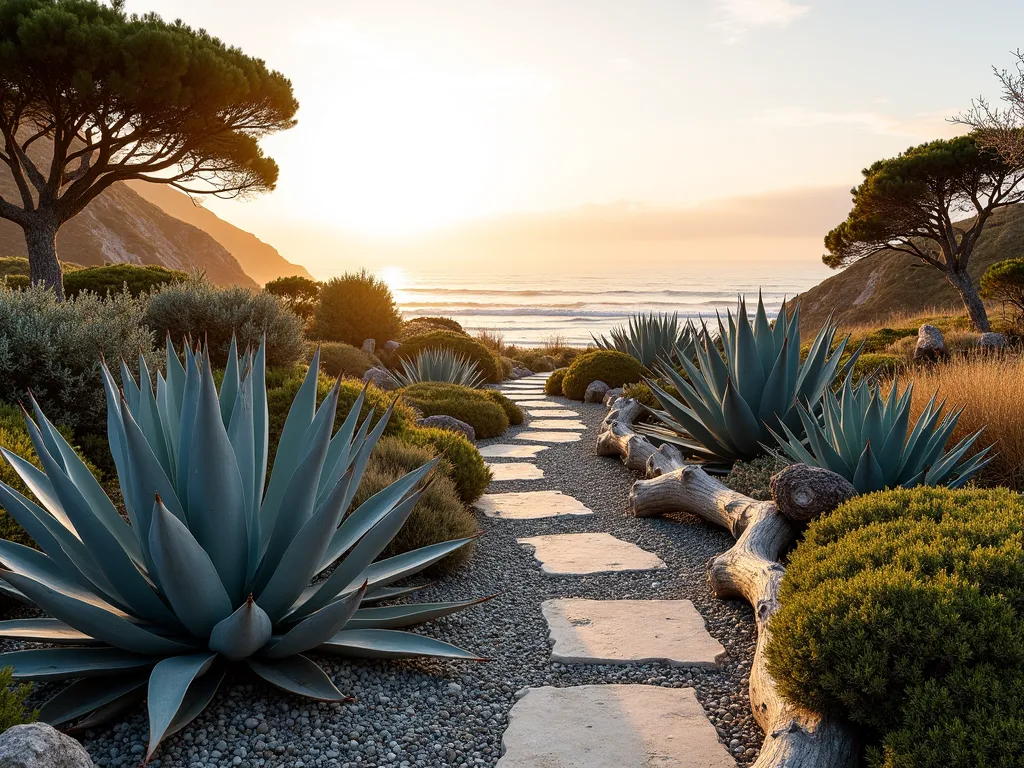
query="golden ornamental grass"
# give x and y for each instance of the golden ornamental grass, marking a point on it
(991, 390)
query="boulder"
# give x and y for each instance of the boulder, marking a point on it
(389, 346)
(612, 395)
(519, 372)
(381, 378)
(931, 346)
(369, 346)
(992, 341)
(37, 745)
(450, 423)
(596, 391)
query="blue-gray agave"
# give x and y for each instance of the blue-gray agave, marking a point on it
(724, 406)
(650, 337)
(863, 437)
(215, 565)
(442, 365)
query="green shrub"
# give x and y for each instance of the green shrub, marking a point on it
(506, 367)
(114, 278)
(610, 366)
(899, 611)
(419, 325)
(439, 515)
(356, 307)
(513, 412)
(553, 384)
(472, 406)
(198, 310)
(299, 294)
(881, 366)
(753, 478)
(486, 363)
(339, 359)
(54, 348)
(464, 464)
(880, 339)
(640, 392)
(13, 701)
(1004, 282)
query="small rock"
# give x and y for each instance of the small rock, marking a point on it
(595, 392)
(519, 372)
(612, 395)
(380, 378)
(38, 745)
(931, 346)
(391, 346)
(992, 341)
(369, 345)
(450, 423)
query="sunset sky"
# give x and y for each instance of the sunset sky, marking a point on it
(420, 116)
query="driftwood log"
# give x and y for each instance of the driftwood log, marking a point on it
(750, 570)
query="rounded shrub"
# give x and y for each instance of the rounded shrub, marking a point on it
(472, 406)
(298, 293)
(512, 411)
(1004, 282)
(340, 359)
(356, 307)
(201, 311)
(607, 365)
(461, 461)
(420, 325)
(898, 611)
(553, 384)
(506, 367)
(114, 278)
(440, 514)
(460, 344)
(640, 392)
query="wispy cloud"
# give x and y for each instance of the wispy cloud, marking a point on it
(925, 125)
(737, 16)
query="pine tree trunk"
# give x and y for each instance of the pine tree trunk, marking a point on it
(43, 265)
(969, 293)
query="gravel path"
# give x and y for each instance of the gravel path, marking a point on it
(434, 713)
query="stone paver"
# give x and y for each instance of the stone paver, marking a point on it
(611, 726)
(630, 632)
(524, 395)
(536, 403)
(508, 451)
(557, 424)
(580, 553)
(548, 437)
(553, 411)
(529, 505)
(515, 470)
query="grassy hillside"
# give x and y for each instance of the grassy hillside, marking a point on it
(888, 283)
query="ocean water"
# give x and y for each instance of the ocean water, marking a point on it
(529, 308)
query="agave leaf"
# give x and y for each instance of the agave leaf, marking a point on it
(129, 387)
(88, 694)
(339, 454)
(198, 696)
(694, 426)
(401, 616)
(768, 353)
(868, 475)
(391, 644)
(241, 434)
(792, 447)
(27, 562)
(229, 386)
(743, 426)
(299, 675)
(776, 399)
(377, 594)
(187, 420)
(187, 575)
(168, 683)
(39, 484)
(108, 712)
(61, 663)
(242, 633)
(748, 375)
(261, 419)
(147, 477)
(317, 628)
(410, 563)
(148, 417)
(43, 631)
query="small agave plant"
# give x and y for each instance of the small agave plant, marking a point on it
(651, 337)
(723, 410)
(215, 565)
(862, 436)
(441, 365)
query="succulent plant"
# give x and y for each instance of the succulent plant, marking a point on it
(651, 337)
(213, 565)
(723, 408)
(863, 436)
(442, 365)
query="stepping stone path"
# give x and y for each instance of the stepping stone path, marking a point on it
(597, 726)
(611, 726)
(577, 553)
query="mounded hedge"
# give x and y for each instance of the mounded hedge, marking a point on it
(355, 307)
(114, 278)
(608, 365)
(472, 406)
(903, 611)
(462, 462)
(553, 384)
(420, 325)
(461, 344)
(512, 411)
(340, 359)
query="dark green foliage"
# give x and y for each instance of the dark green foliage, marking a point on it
(465, 465)
(608, 365)
(880, 339)
(440, 514)
(299, 294)
(339, 359)
(356, 307)
(419, 325)
(513, 412)
(506, 367)
(640, 392)
(881, 366)
(1004, 282)
(753, 478)
(200, 311)
(472, 406)
(463, 345)
(898, 611)
(114, 278)
(553, 384)
(13, 698)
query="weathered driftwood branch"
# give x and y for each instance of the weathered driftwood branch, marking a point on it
(751, 570)
(617, 438)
